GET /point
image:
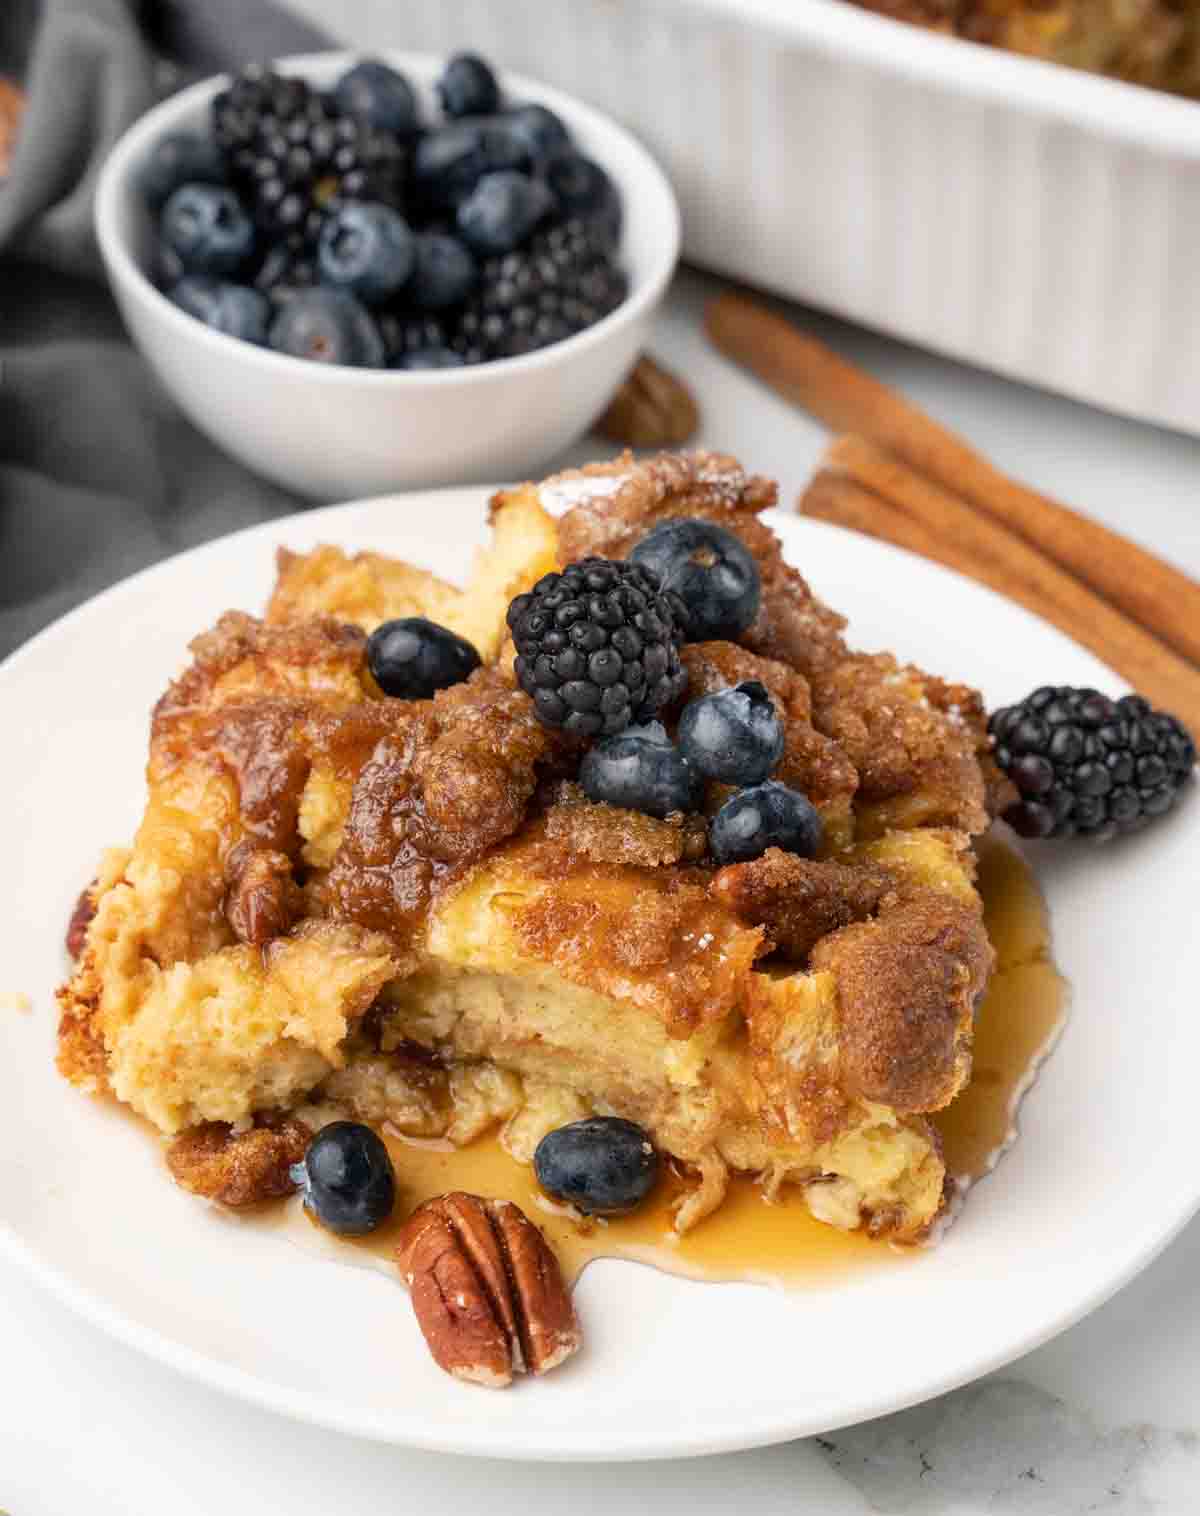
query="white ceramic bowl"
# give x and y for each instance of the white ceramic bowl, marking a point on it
(333, 432)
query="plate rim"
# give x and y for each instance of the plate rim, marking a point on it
(468, 1437)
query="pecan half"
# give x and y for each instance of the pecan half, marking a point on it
(81, 919)
(264, 899)
(486, 1289)
(238, 1168)
(653, 408)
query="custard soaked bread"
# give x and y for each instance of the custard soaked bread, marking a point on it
(409, 910)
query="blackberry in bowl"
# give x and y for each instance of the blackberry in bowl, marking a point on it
(502, 331)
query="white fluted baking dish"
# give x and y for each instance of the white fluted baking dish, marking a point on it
(1037, 221)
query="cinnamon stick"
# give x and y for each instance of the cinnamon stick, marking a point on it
(846, 399)
(863, 488)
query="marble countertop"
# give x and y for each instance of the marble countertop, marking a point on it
(1106, 1418)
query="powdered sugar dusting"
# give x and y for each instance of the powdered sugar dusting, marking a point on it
(729, 483)
(561, 495)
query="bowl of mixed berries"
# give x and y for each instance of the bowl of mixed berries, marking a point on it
(363, 274)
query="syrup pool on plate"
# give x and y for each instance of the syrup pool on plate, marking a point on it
(749, 1238)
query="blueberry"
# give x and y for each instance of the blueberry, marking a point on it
(327, 326)
(468, 87)
(449, 162)
(537, 128)
(765, 815)
(413, 658)
(177, 159)
(582, 188)
(367, 250)
(378, 94)
(502, 210)
(428, 358)
(347, 1178)
(710, 570)
(444, 273)
(603, 1166)
(206, 228)
(641, 770)
(230, 308)
(734, 736)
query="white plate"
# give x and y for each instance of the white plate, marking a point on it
(1103, 1176)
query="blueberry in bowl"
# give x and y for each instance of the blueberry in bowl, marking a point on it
(327, 326)
(444, 273)
(177, 159)
(234, 309)
(367, 250)
(207, 230)
(543, 311)
(502, 211)
(468, 87)
(381, 95)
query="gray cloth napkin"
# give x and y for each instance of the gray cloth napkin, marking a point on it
(99, 474)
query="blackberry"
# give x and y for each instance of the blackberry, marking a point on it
(405, 332)
(597, 647)
(1088, 766)
(562, 282)
(295, 155)
(288, 266)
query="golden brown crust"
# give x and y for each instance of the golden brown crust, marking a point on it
(907, 985)
(434, 798)
(800, 900)
(655, 937)
(81, 919)
(238, 1168)
(884, 718)
(82, 1057)
(609, 834)
(363, 588)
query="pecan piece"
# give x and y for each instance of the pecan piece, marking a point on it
(487, 1291)
(241, 1169)
(800, 900)
(653, 408)
(12, 108)
(81, 919)
(264, 899)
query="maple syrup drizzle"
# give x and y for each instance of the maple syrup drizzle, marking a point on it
(748, 1238)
